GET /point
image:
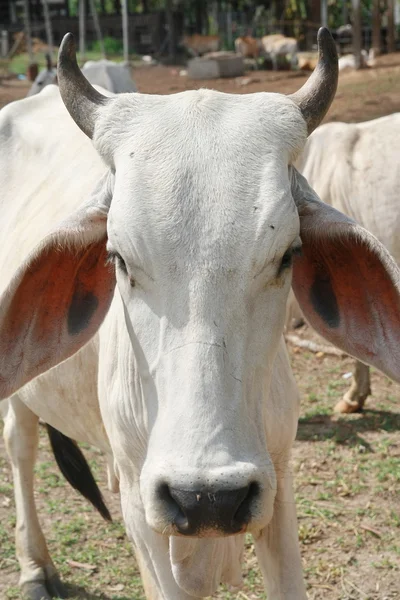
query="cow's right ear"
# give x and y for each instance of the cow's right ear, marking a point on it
(59, 296)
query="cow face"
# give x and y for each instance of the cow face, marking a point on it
(202, 244)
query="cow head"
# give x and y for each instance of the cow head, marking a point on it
(201, 215)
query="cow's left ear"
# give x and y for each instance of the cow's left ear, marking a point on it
(59, 296)
(346, 283)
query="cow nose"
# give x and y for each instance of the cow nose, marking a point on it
(227, 511)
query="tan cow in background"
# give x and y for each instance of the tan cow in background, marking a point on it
(198, 44)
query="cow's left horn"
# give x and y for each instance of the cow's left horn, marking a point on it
(79, 97)
(316, 95)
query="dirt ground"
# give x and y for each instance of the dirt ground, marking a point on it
(346, 469)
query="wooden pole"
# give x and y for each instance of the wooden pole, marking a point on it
(82, 29)
(324, 13)
(376, 27)
(28, 31)
(171, 33)
(125, 29)
(97, 27)
(49, 31)
(391, 38)
(357, 32)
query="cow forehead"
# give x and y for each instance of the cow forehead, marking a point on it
(205, 175)
(212, 121)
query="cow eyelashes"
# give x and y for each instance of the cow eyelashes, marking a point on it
(287, 258)
(116, 259)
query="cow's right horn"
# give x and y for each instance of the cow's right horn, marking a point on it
(79, 97)
(316, 95)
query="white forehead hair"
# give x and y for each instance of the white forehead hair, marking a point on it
(245, 123)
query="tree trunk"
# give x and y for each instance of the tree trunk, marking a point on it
(82, 29)
(49, 31)
(125, 29)
(376, 27)
(28, 32)
(97, 27)
(324, 13)
(391, 38)
(357, 33)
(171, 30)
(199, 16)
(145, 6)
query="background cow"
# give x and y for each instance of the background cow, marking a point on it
(112, 76)
(198, 44)
(355, 168)
(277, 45)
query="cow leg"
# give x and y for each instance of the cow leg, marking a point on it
(274, 61)
(354, 398)
(278, 549)
(39, 579)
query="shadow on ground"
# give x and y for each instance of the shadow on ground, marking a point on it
(347, 430)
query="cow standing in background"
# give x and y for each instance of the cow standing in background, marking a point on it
(278, 45)
(148, 258)
(355, 167)
(248, 47)
(198, 44)
(113, 77)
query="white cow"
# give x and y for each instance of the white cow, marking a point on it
(193, 198)
(276, 45)
(356, 169)
(115, 77)
(112, 76)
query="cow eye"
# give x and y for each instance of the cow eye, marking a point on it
(116, 259)
(287, 258)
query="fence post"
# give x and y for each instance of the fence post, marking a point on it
(49, 32)
(324, 13)
(4, 43)
(82, 29)
(357, 32)
(229, 28)
(125, 29)
(97, 27)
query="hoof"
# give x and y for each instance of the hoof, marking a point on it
(44, 590)
(56, 588)
(347, 407)
(35, 590)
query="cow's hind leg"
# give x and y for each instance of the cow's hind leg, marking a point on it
(354, 398)
(39, 579)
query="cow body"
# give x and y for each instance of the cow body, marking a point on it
(170, 274)
(277, 45)
(109, 75)
(198, 44)
(248, 47)
(354, 168)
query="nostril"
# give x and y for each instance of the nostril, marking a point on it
(243, 513)
(175, 511)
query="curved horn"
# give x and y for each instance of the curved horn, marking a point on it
(316, 95)
(80, 98)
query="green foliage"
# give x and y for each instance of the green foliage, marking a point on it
(112, 46)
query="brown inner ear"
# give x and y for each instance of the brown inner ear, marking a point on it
(57, 306)
(345, 290)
